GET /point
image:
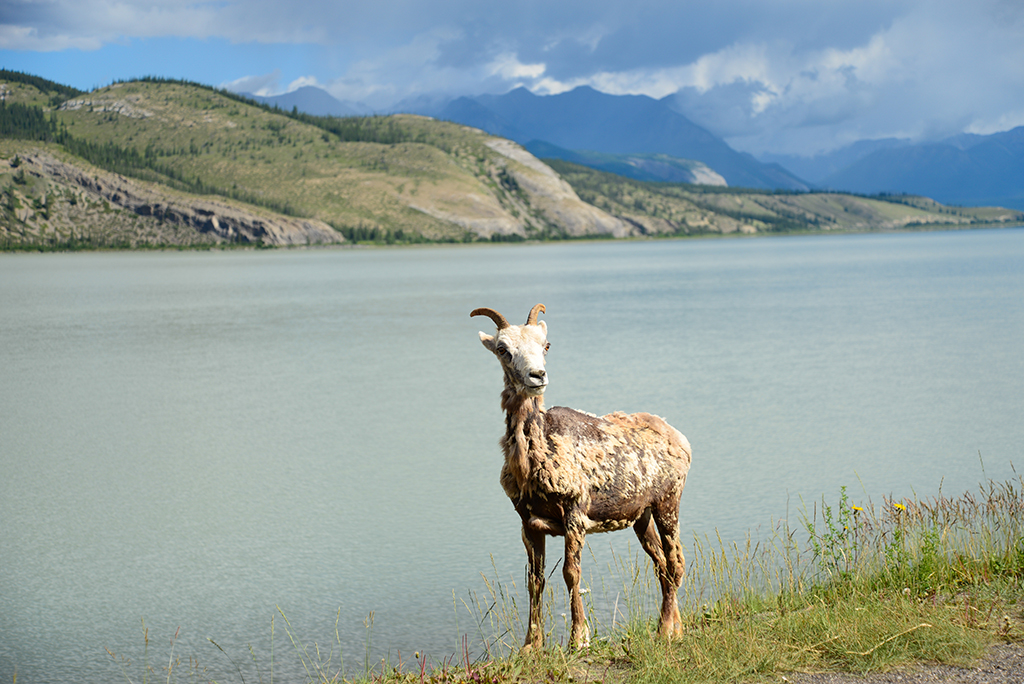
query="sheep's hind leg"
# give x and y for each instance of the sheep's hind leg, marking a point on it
(650, 539)
(534, 542)
(666, 517)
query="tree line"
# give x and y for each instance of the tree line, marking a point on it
(57, 91)
(27, 122)
(383, 130)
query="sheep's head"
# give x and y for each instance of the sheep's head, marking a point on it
(520, 349)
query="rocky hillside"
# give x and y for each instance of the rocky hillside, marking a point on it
(53, 202)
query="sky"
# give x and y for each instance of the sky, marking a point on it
(770, 76)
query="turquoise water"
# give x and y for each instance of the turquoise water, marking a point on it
(194, 439)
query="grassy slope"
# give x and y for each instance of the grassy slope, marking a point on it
(39, 212)
(231, 145)
(678, 209)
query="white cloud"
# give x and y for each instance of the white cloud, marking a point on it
(735, 63)
(29, 39)
(926, 75)
(508, 66)
(90, 24)
(265, 85)
(1003, 122)
(552, 86)
(302, 82)
(589, 37)
(393, 73)
(738, 62)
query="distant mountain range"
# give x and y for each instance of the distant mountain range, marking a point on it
(643, 138)
(967, 169)
(585, 120)
(580, 123)
(819, 167)
(312, 100)
(644, 167)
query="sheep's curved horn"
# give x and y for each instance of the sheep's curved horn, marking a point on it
(532, 318)
(498, 319)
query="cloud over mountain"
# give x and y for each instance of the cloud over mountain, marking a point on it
(797, 76)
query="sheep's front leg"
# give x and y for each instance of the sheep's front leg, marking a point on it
(534, 542)
(575, 534)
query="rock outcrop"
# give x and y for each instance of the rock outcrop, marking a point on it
(553, 198)
(215, 220)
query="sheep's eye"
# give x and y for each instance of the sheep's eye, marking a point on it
(502, 350)
(547, 345)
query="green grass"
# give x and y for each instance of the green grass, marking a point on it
(854, 588)
(871, 589)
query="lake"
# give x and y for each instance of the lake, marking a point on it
(198, 440)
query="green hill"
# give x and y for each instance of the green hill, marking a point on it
(680, 209)
(173, 154)
(164, 163)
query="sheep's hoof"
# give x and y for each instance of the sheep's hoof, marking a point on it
(531, 647)
(670, 631)
(582, 639)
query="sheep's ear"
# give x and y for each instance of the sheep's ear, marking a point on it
(544, 327)
(488, 341)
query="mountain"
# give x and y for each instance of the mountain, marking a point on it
(658, 168)
(583, 124)
(815, 169)
(154, 162)
(311, 100)
(967, 169)
(467, 111)
(162, 163)
(585, 119)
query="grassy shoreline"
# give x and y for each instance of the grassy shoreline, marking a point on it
(857, 588)
(854, 588)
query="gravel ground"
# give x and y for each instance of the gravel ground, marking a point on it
(1004, 664)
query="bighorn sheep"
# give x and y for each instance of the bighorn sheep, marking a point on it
(569, 473)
